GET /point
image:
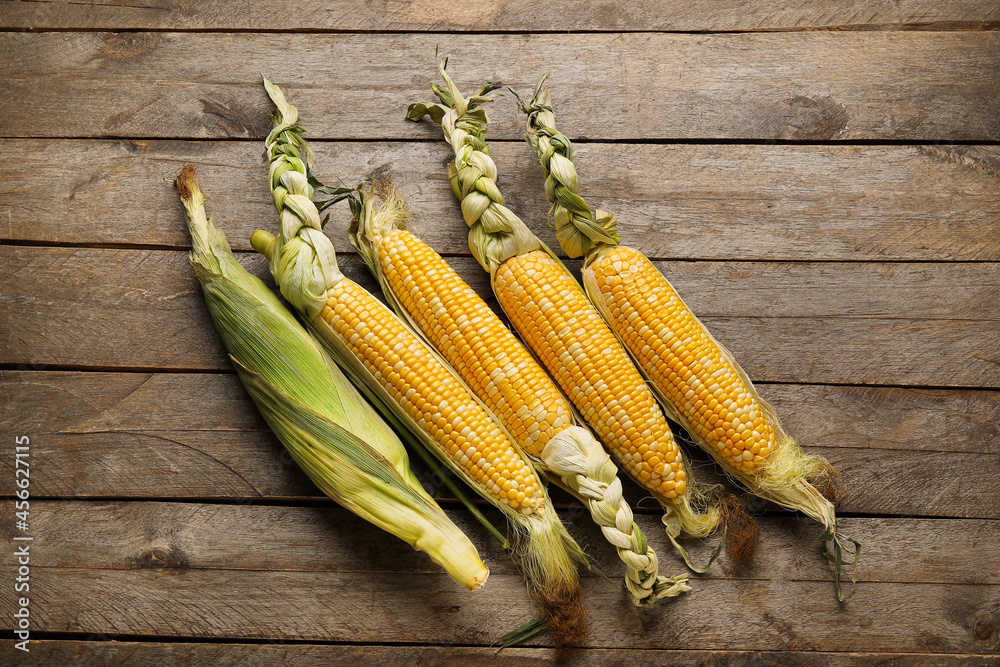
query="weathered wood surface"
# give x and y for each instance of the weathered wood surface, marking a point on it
(131, 435)
(418, 608)
(171, 536)
(204, 551)
(182, 464)
(651, 86)
(857, 283)
(672, 201)
(507, 16)
(791, 322)
(93, 653)
(917, 420)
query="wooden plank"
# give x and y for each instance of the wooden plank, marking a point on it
(177, 536)
(802, 86)
(424, 608)
(936, 352)
(181, 464)
(123, 435)
(94, 652)
(673, 201)
(69, 402)
(918, 420)
(865, 290)
(495, 16)
(867, 472)
(142, 309)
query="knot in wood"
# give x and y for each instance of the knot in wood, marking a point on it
(159, 558)
(984, 628)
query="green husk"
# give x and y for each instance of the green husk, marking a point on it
(329, 430)
(497, 234)
(303, 263)
(792, 478)
(302, 256)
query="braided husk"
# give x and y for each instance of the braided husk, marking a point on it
(300, 255)
(303, 256)
(497, 234)
(579, 231)
(586, 469)
(791, 477)
(574, 456)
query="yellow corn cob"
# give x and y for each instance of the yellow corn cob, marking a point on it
(680, 357)
(700, 384)
(502, 373)
(429, 393)
(366, 338)
(550, 312)
(493, 363)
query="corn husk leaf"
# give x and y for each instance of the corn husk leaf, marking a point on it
(573, 460)
(329, 430)
(790, 472)
(544, 549)
(579, 230)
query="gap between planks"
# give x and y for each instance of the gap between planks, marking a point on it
(941, 26)
(514, 16)
(350, 252)
(98, 649)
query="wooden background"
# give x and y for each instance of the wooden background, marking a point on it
(820, 181)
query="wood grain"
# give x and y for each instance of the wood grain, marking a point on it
(651, 86)
(855, 276)
(423, 608)
(497, 16)
(96, 651)
(918, 420)
(142, 309)
(722, 202)
(206, 465)
(132, 435)
(169, 537)
(255, 655)
(965, 491)
(891, 418)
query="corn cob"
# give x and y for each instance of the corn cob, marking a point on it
(428, 293)
(414, 382)
(699, 382)
(329, 430)
(551, 313)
